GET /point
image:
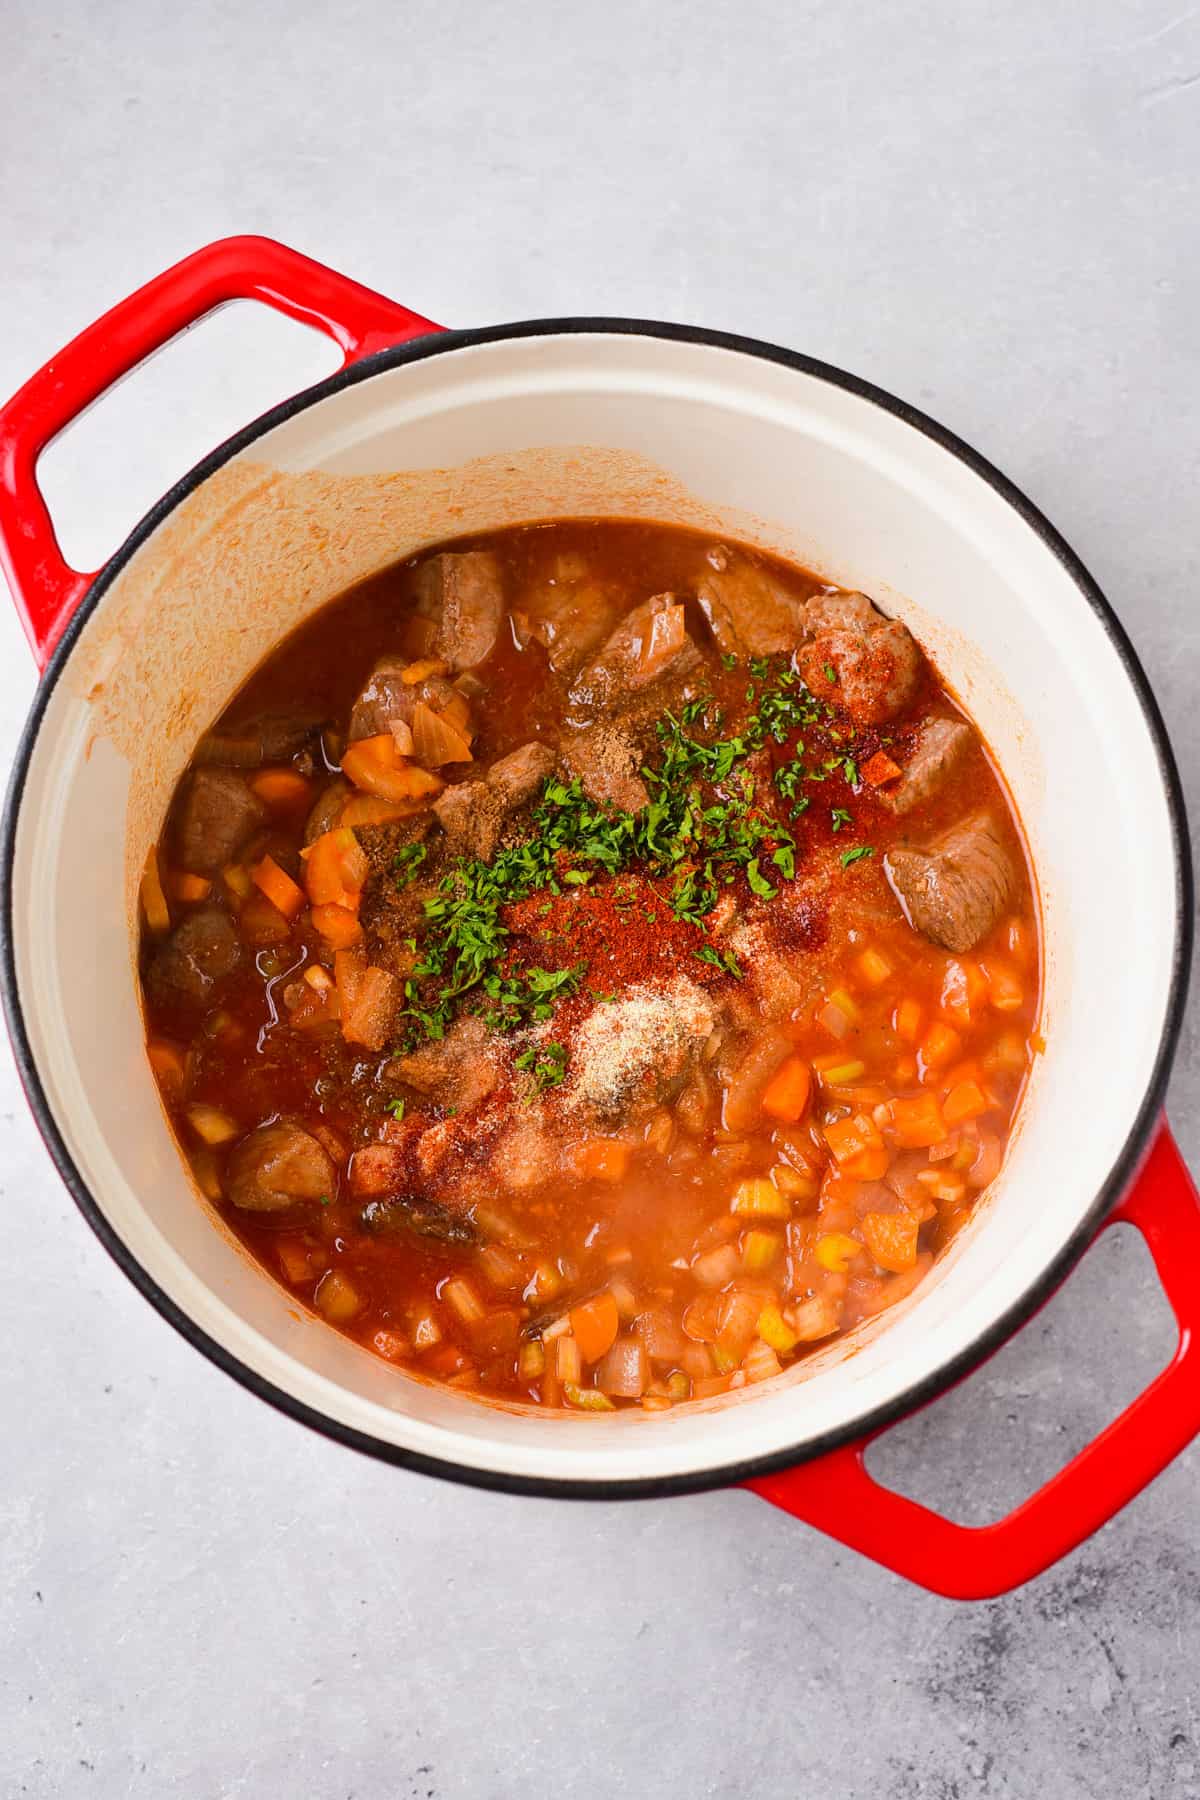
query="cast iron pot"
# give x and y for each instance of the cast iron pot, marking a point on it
(425, 434)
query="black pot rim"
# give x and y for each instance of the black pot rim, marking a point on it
(988, 1339)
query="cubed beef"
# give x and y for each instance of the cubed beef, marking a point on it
(464, 596)
(650, 644)
(472, 813)
(455, 1071)
(199, 953)
(217, 816)
(607, 761)
(954, 891)
(749, 612)
(279, 1166)
(866, 665)
(570, 616)
(940, 747)
(387, 699)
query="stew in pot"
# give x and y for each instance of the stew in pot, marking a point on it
(591, 965)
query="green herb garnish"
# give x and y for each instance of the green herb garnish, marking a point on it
(857, 854)
(547, 1064)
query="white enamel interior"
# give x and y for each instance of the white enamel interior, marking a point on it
(571, 423)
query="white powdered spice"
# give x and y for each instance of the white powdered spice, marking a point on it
(649, 1029)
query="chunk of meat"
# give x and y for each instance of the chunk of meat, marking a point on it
(464, 596)
(456, 1071)
(421, 1217)
(640, 1048)
(279, 1166)
(750, 614)
(327, 809)
(218, 815)
(954, 891)
(649, 644)
(940, 747)
(472, 813)
(606, 760)
(200, 952)
(569, 617)
(868, 666)
(268, 738)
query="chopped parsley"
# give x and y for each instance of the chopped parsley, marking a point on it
(726, 961)
(829, 672)
(407, 861)
(547, 1063)
(396, 1108)
(857, 854)
(840, 817)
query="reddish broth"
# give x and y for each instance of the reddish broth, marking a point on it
(730, 1101)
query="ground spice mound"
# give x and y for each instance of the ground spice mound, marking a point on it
(648, 1034)
(622, 928)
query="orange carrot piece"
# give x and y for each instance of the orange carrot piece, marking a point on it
(918, 1122)
(278, 887)
(1004, 987)
(369, 809)
(154, 901)
(880, 768)
(892, 1239)
(601, 1159)
(337, 925)
(852, 1139)
(375, 765)
(335, 869)
(595, 1325)
(965, 1101)
(941, 1045)
(422, 669)
(187, 887)
(906, 1021)
(788, 1090)
(284, 789)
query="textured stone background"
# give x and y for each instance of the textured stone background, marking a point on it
(991, 210)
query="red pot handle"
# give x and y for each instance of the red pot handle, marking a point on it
(46, 589)
(837, 1495)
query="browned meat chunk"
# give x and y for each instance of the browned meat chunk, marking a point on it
(868, 666)
(649, 644)
(269, 738)
(389, 700)
(457, 1071)
(327, 808)
(750, 614)
(423, 1218)
(472, 813)
(199, 953)
(569, 617)
(217, 817)
(464, 596)
(954, 892)
(940, 747)
(277, 1167)
(607, 763)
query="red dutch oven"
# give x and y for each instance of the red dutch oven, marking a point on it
(425, 434)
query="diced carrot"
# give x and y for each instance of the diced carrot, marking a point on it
(906, 1021)
(849, 1138)
(293, 1260)
(422, 669)
(918, 1122)
(169, 1063)
(188, 888)
(875, 968)
(892, 1239)
(154, 901)
(836, 1250)
(278, 886)
(237, 880)
(375, 765)
(595, 1325)
(880, 768)
(966, 1100)
(337, 925)
(760, 1199)
(1004, 987)
(335, 869)
(601, 1159)
(367, 996)
(787, 1092)
(284, 789)
(941, 1044)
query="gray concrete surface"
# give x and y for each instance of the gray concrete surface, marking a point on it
(989, 209)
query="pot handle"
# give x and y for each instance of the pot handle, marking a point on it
(46, 589)
(837, 1495)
